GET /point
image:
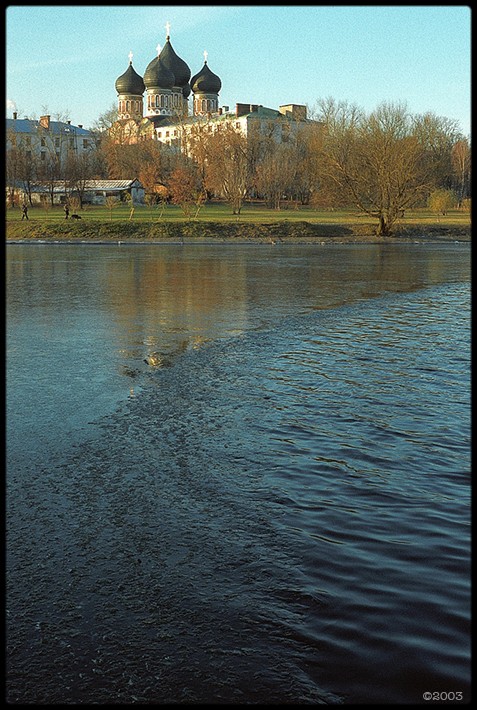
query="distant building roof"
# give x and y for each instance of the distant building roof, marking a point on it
(112, 184)
(106, 185)
(27, 125)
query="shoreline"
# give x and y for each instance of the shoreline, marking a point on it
(302, 232)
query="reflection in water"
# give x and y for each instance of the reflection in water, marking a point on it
(157, 298)
(237, 474)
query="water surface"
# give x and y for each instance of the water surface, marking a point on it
(275, 510)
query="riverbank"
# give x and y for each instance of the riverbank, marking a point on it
(199, 232)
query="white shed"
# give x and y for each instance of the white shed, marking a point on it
(96, 191)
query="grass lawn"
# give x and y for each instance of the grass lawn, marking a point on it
(251, 213)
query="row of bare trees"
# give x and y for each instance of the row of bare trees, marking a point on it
(382, 162)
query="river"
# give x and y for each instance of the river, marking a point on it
(238, 474)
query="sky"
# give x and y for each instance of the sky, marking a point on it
(64, 60)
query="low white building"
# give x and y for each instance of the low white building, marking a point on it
(95, 192)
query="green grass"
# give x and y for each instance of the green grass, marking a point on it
(251, 213)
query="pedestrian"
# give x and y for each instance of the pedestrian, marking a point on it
(67, 211)
(24, 211)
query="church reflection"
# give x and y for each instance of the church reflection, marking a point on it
(170, 302)
(151, 303)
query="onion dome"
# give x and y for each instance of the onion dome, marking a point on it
(186, 91)
(205, 81)
(175, 64)
(130, 82)
(158, 75)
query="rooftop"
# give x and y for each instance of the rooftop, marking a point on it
(28, 125)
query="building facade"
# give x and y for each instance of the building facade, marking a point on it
(44, 139)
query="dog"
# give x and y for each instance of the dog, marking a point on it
(75, 216)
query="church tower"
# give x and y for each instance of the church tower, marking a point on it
(167, 84)
(181, 88)
(206, 86)
(130, 88)
(159, 81)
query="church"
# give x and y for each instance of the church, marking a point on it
(156, 105)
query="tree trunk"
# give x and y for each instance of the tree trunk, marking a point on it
(384, 229)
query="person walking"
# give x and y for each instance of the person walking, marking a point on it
(67, 211)
(24, 211)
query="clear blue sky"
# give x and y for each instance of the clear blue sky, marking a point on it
(64, 59)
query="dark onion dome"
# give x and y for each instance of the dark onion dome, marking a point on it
(205, 81)
(130, 82)
(186, 91)
(176, 65)
(157, 75)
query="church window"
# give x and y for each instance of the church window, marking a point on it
(128, 104)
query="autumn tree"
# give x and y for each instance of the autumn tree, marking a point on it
(185, 188)
(441, 201)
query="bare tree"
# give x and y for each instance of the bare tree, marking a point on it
(228, 166)
(12, 170)
(275, 175)
(79, 170)
(106, 120)
(461, 167)
(381, 161)
(21, 166)
(111, 202)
